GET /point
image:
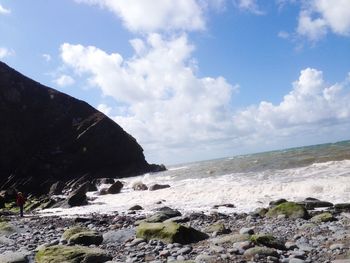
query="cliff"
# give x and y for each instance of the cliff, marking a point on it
(46, 136)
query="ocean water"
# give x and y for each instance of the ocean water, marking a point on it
(247, 181)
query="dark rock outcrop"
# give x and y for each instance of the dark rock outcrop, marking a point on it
(47, 136)
(115, 188)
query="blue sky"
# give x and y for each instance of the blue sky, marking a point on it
(193, 79)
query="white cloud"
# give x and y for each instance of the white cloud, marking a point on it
(320, 16)
(311, 102)
(156, 15)
(5, 52)
(249, 5)
(167, 104)
(283, 35)
(47, 57)
(4, 11)
(64, 81)
(105, 109)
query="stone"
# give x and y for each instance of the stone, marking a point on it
(323, 217)
(163, 214)
(118, 236)
(15, 257)
(86, 238)
(342, 206)
(261, 251)
(288, 209)
(267, 240)
(6, 228)
(139, 186)
(71, 254)
(169, 232)
(155, 187)
(247, 230)
(115, 188)
(277, 202)
(218, 228)
(78, 197)
(206, 259)
(136, 207)
(232, 238)
(312, 203)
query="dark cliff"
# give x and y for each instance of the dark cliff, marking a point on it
(46, 136)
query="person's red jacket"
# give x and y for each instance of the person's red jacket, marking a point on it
(20, 200)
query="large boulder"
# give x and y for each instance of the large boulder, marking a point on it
(78, 197)
(162, 214)
(82, 236)
(169, 232)
(71, 254)
(288, 209)
(46, 136)
(115, 188)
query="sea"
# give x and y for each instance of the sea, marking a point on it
(246, 181)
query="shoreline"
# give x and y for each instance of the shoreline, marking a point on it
(230, 237)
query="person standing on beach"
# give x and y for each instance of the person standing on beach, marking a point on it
(20, 200)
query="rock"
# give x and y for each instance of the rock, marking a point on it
(218, 228)
(56, 188)
(247, 230)
(169, 232)
(155, 187)
(289, 209)
(296, 260)
(103, 191)
(336, 246)
(74, 230)
(342, 206)
(312, 203)
(15, 257)
(261, 251)
(232, 238)
(322, 218)
(163, 214)
(267, 240)
(71, 254)
(6, 228)
(139, 186)
(277, 202)
(78, 197)
(260, 212)
(224, 205)
(136, 207)
(50, 136)
(119, 236)
(86, 238)
(115, 188)
(206, 259)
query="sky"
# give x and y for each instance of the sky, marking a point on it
(193, 79)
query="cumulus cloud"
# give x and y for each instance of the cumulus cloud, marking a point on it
(5, 52)
(312, 102)
(167, 104)
(156, 15)
(249, 5)
(320, 16)
(64, 81)
(4, 11)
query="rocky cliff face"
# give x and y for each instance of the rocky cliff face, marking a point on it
(46, 136)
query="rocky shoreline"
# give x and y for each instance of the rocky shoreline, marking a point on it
(283, 232)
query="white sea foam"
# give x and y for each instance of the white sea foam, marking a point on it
(327, 181)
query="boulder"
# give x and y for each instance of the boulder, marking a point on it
(323, 217)
(169, 232)
(15, 257)
(155, 187)
(260, 251)
(48, 136)
(342, 207)
(78, 197)
(6, 228)
(288, 209)
(103, 191)
(218, 228)
(115, 188)
(312, 203)
(268, 240)
(71, 254)
(139, 186)
(231, 239)
(136, 207)
(277, 202)
(82, 236)
(163, 214)
(56, 188)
